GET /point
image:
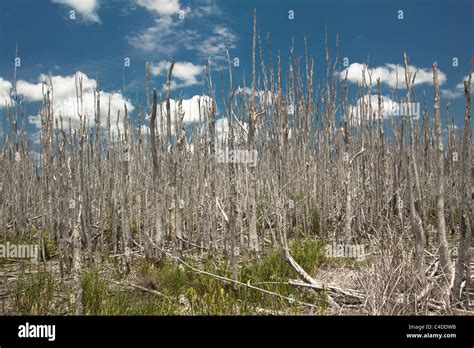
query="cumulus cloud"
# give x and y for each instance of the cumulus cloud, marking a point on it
(63, 86)
(66, 104)
(368, 107)
(460, 85)
(5, 88)
(452, 93)
(216, 43)
(185, 74)
(193, 108)
(458, 91)
(162, 7)
(388, 74)
(206, 8)
(87, 8)
(222, 131)
(169, 35)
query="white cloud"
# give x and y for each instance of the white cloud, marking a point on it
(5, 87)
(162, 7)
(452, 93)
(87, 8)
(458, 91)
(185, 72)
(191, 110)
(63, 86)
(369, 107)
(190, 107)
(201, 8)
(388, 74)
(169, 35)
(217, 42)
(207, 8)
(460, 85)
(65, 101)
(30, 91)
(222, 131)
(166, 36)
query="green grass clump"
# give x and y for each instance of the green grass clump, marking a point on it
(309, 253)
(99, 299)
(33, 294)
(273, 271)
(136, 302)
(94, 292)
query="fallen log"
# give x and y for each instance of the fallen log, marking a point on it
(328, 287)
(312, 283)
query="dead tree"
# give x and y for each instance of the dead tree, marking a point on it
(253, 237)
(412, 172)
(233, 188)
(158, 198)
(445, 260)
(462, 269)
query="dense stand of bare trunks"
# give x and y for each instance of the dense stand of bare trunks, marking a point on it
(322, 170)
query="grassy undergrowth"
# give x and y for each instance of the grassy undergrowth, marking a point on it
(37, 293)
(185, 292)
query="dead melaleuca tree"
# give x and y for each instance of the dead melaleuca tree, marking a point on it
(391, 282)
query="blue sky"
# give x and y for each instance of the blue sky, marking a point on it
(105, 32)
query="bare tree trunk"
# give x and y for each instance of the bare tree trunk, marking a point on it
(77, 264)
(179, 194)
(462, 269)
(171, 169)
(233, 189)
(253, 237)
(445, 260)
(157, 213)
(416, 222)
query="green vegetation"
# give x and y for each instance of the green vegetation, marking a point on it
(183, 291)
(33, 293)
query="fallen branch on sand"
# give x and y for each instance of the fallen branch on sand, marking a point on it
(312, 283)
